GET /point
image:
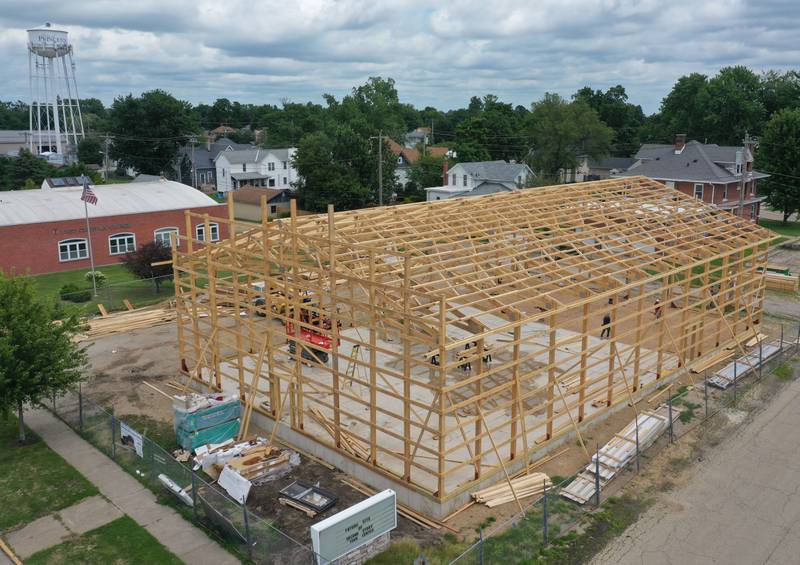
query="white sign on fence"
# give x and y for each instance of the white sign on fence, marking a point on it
(131, 438)
(349, 529)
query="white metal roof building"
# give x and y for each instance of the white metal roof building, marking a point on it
(37, 206)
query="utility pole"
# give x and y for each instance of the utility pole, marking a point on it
(105, 157)
(193, 140)
(746, 142)
(380, 166)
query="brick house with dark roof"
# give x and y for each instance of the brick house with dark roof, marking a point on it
(710, 172)
(407, 156)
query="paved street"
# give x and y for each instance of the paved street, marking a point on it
(742, 506)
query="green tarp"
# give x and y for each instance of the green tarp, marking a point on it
(190, 440)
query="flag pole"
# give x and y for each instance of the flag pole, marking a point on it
(89, 239)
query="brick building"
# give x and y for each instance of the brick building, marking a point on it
(44, 230)
(710, 172)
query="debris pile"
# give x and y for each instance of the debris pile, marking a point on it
(238, 466)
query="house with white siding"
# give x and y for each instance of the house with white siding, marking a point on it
(268, 168)
(479, 178)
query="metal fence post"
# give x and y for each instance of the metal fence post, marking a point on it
(80, 407)
(480, 546)
(544, 483)
(597, 475)
(735, 375)
(113, 435)
(247, 531)
(669, 404)
(194, 493)
(152, 460)
(705, 391)
(781, 348)
(54, 403)
(637, 444)
(760, 358)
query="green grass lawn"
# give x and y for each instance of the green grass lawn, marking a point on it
(120, 284)
(790, 229)
(120, 542)
(35, 480)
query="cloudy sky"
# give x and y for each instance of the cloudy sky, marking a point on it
(440, 53)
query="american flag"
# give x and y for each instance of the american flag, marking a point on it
(87, 195)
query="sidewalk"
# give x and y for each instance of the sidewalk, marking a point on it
(183, 539)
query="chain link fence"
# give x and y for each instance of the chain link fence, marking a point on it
(527, 535)
(232, 524)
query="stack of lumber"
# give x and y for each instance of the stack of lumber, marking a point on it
(349, 442)
(743, 366)
(524, 487)
(126, 321)
(784, 283)
(614, 455)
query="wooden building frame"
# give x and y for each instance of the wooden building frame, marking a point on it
(465, 335)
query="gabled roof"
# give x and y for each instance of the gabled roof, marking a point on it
(495, 170)
(697, 162)
(204, 157)
(256, 155)
(37, 206)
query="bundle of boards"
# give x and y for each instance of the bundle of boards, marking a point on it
(534, 484)
(118, 322)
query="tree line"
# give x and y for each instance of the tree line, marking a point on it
(337, 150)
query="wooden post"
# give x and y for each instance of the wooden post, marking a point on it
(551, 373)
(373, 364)
(584, 359)
(442, 384)
(406, 369)
(334, 317)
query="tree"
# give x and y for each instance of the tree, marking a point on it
(779, 155)
(90, 150)
(140, 262)
(681, 111)
(616, 112)
(38, 357)
(24, 170)
(331, 168)
(427, 171)
(779, 91)
(732, 106)
(561, 131)
(149, 129)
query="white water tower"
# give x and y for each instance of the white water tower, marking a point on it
(56, 124)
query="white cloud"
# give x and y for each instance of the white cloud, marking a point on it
(439, 54)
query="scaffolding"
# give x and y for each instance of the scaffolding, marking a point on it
(442, 343)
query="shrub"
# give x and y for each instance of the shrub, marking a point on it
(99, 278)
(72, 293)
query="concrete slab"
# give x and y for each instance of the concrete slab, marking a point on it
(89, 514)
(170, 530)
(202, 555)
(36, 536)
(141, 506)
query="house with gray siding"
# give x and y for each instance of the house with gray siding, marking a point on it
(479, 178)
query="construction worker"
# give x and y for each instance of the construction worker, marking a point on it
(606, 332)
(657, 309)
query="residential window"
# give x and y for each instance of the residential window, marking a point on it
(399, 160)
(244, 167)
(270, 166)
(73, 249)
(271, 182)
(698, 191)
(738, 168)
(200, 231)
(120, 243)
(453, 180)
(464, 179)
(284, 180)
(223, 173)
(670, 184)
(725, 192)
(284, 165)
(273, 209)
(202, 178)
(162, 236)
